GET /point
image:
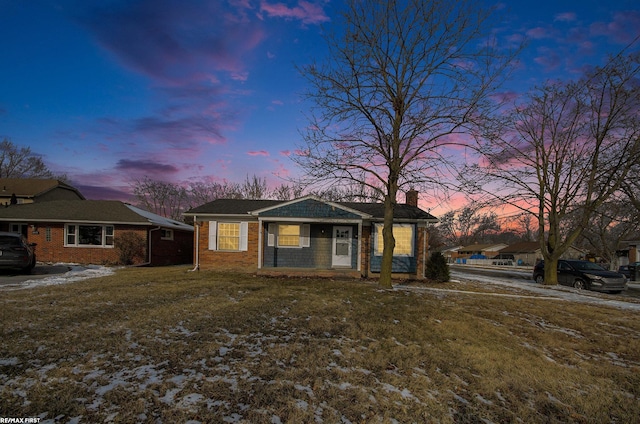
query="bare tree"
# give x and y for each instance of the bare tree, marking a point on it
(21, 162)
(160, 197)
(565, 152)
(401, 78)
(254, 188)
(468, 225)
(287, 192)
(611, 223)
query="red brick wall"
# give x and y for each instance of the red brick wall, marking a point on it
(237, 261)
(55, 251)
(172, 252)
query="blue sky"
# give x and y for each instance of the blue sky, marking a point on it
(109, 91)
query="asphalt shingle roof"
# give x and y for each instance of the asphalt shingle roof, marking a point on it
(244, 207)
(94, 211)
(30, 187)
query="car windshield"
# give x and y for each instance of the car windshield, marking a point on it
(9, 241)
(587, 266)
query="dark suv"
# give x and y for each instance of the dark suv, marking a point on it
(584, 275)
(16, 252)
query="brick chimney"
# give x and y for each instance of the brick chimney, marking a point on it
(412, 198)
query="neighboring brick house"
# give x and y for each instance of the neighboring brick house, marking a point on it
(88, 231)
(33, 190)
(308, 236)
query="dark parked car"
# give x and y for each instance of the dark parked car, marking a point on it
(633, 271)
(584, 275)
(624, 270)
(16, 252)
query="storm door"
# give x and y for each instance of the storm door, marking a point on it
(341, 255)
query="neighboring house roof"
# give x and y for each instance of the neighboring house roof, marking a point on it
(482, 247)
(236, 207)
(33, 187)
(88, 211)
(522, 247)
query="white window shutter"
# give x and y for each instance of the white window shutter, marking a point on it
(244, 236)
(271, 236)
(305, 236)
(213, 235)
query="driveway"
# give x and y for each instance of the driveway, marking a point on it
(11, 277)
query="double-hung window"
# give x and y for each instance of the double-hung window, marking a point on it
(402, 233)
(289, 235)
(228, 236)
(88, 235)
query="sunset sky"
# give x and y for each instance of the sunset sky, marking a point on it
(187, 90)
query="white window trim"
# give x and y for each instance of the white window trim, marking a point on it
(97, 246)
(273, 239)
(169, 231)
(377, 250)
(244, 236)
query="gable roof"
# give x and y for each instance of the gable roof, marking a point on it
(33, 187)
(310, 207)
(87, 211)
(237, 207)
(494, 247)
(522, 247)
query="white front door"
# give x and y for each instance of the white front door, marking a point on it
(341, 255)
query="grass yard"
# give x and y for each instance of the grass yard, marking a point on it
(167, 345)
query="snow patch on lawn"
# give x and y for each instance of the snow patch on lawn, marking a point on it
(75, 273)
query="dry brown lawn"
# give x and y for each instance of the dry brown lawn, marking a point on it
(168, 345)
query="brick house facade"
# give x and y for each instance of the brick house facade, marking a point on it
(308, 236)
(89, 232)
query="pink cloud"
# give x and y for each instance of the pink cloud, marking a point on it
(621, 29)
(308, 13)
(258, 153)
(565, 17)
(286, 153)
(538, 33)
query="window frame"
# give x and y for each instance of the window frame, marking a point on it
(273, 235)
(214, 236)
(378, 243)
(166, 234)
(72, 231)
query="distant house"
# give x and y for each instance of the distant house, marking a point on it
(477, 251)
(630, 250)
(308, 236)
(529, 253)
(30, 190)
(88, 232)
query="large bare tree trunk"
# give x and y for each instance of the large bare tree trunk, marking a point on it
(389, 242)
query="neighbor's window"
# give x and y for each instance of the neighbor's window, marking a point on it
(228, 236)
(166, 234)
(89, 235)
(403, 233)
(288, 235)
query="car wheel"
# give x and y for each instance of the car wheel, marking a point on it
(539, 279)
(579, 284)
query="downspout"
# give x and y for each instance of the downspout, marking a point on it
(197, 256)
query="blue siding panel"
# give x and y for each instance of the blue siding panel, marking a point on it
(316, 256)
